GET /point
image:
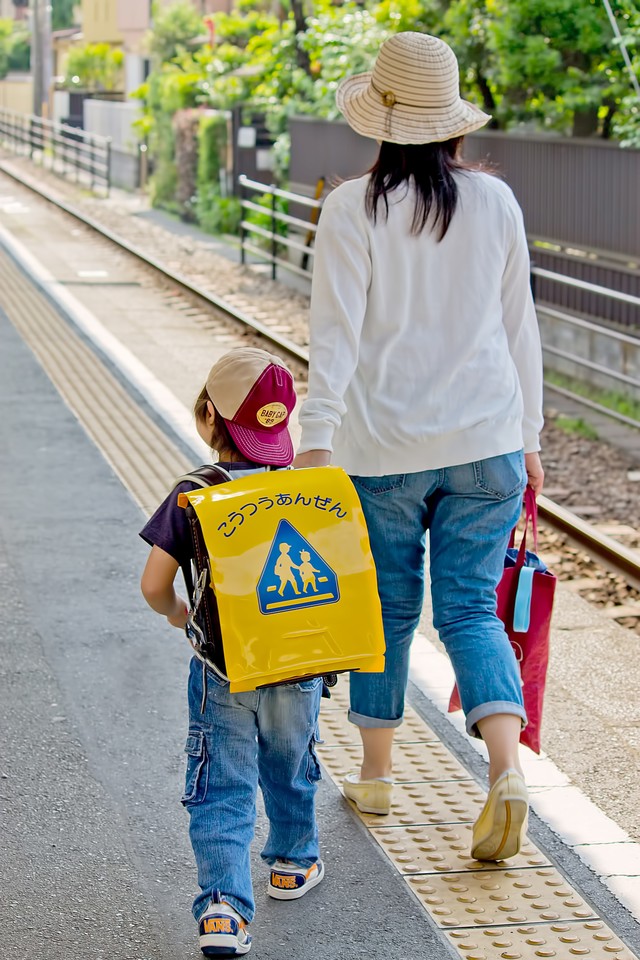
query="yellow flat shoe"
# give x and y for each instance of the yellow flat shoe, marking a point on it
(369, 796)
(499, 831)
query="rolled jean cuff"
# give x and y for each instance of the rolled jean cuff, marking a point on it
(371, 722)
(489, 710)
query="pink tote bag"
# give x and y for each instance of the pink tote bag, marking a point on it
(525, 603)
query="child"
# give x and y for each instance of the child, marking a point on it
(237, 741)
(307, 572)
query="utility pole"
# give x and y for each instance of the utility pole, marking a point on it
(41, 55)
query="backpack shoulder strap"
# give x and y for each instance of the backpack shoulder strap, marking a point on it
(207, 475)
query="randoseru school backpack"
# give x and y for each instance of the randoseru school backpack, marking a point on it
(282, 585)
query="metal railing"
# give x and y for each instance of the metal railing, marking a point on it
(600, 271)
(68, 151)
(277, 241)
(624, 345)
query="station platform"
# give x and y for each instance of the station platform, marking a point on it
(95, 858)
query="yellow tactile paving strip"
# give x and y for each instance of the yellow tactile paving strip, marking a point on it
(420, 760)
(443, 848)
(516, 896)
(138, 449)
(514, 910)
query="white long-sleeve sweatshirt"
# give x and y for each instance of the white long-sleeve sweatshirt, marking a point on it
(424, 354)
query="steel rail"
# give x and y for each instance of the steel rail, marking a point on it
(285, 345)
(617, 558)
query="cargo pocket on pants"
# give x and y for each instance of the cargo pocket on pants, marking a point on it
(197, 775)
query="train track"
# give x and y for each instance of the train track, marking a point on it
(619, 560)
(285, 345)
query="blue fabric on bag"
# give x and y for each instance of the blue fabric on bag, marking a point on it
(522, 604)
(531, 560)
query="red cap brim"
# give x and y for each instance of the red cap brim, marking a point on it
(262, 446)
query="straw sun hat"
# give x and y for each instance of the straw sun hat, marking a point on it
(411, 96)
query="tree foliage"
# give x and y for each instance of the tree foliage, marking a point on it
(6, 29)
(626, 122)
(546, 64)
(94, 66)
(62, 14)
(540, 65)
(14, 47)
(174, 30)
(549, 64)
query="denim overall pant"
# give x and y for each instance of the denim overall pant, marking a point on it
(242, 740)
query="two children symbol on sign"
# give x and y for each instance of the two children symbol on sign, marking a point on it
(285, 566)
(318, 584)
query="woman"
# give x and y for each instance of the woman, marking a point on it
(425, 384)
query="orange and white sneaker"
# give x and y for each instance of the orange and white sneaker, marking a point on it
(223, 932)
(369, 796)
(499, 831)
(288, 881)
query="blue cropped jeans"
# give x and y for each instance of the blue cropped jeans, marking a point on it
(469, 511)
(242, 740)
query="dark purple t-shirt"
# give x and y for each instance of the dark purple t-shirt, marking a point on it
(169, 528)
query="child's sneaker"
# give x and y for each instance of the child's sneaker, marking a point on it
(223, 932)
(288, 881)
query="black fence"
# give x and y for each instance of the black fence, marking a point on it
(582, 193)
(65, 150)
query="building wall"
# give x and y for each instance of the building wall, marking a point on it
(114, 120)
(100, 21)
(16, 92)
(133, 22)
(60, 105)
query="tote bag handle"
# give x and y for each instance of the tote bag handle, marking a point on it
(531, 516)
(524, 593)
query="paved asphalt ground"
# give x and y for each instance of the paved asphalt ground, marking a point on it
(95, 860)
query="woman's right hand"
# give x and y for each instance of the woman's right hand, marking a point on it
(535, 473)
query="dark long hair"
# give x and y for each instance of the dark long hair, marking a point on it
(431, 166)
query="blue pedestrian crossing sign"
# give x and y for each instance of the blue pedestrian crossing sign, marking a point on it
(294, 574)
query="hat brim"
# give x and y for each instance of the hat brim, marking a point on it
(365, 112)
(262, 446)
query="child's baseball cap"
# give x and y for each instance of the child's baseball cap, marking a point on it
(254, 394)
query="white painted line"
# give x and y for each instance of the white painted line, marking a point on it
(13, 207)
(627, 890)
(599, 842)
(612, 859)
(161, 399)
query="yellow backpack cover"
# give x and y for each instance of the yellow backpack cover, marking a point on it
(286, 555)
